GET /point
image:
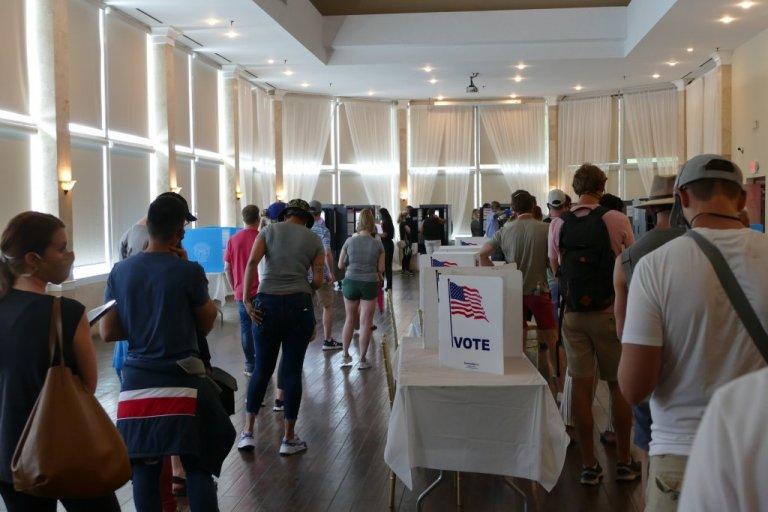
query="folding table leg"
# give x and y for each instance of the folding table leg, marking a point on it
(427, 491)
(511, 484)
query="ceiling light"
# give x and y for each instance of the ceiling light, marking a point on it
(672, 63)
(513, 96)
(746, 5)
(427, 69)
(689, 50)
(371, 93)
(287, 72)
(518, 78)
(578, 87)
(521, 66)
(440, 97)
(271, 61)
(231, 34)
(433, 80)
(656, 76)
(305, 84)
(726, 19)
(212, 21)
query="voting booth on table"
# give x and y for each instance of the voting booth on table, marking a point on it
(471, 241)
(206, 246)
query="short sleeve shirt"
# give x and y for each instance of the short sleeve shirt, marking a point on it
(236, 255)
(324, 234)
(524, 242)
(156, 293)
(290, 251)
(619, 230)
(363, 258)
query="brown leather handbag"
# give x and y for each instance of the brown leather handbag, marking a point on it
(69, 447)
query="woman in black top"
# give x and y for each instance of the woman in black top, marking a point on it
(405, 237)
(388, 239)
(34, 253)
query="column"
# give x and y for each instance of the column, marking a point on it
(48, 60)
(229, 144)
(162, 98)
(682, 134)
(278, 139)
(552, 111)
(402, 145)
(723, 62)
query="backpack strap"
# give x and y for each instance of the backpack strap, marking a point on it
(734, 291)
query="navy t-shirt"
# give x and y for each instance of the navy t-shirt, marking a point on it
(156, 293)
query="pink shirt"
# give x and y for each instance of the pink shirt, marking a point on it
(238, 250)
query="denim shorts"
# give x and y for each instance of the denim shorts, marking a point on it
(359, 290)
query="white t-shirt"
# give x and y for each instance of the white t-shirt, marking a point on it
(676, 302)
(728, 465)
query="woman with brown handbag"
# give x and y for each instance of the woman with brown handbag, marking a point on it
(34, 253)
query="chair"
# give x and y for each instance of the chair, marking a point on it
(391, 388)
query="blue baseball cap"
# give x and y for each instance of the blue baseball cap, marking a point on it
(276, 210)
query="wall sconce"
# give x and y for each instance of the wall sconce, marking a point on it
(67, 186)
(404, 195)
(279, 195)
(176, 190)
(238, 195)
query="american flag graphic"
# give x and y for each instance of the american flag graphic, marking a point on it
(466, 301)
(438, 263)
(466, 243)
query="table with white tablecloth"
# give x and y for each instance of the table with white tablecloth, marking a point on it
(458, 420)
(218, 286)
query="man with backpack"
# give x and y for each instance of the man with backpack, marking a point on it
(696, 315)
(583, 245)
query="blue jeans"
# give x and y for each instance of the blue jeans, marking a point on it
(288, 322)
(246, 336)
(201, 490)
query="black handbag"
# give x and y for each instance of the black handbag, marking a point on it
(227, 387)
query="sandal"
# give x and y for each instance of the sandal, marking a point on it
(178, 487)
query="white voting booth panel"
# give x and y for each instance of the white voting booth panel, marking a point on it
(480, 317)
(468, 241)
(459, 248)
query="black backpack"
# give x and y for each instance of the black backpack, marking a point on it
(587, 259)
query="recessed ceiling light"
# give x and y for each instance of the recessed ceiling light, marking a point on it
(513, 96)
(231, 34)
(656, 76)
(427, 69)
(672, 63)
(287, 72)
(440, 97)
(371, 93)
(689, 50)
(433, 80)
(521, 66)
(726, 19)
(578, 87)
(304, 84)
(746, 5)
(212, 21)
(271, 61)
(518, 78)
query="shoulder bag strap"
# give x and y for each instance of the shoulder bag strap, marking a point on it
(55, 335)
(735, 293)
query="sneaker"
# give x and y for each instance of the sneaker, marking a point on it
(332, 345)
(346, 361)
(246, 442)
(293, 446)
(591, 476)
(247, 373)
(363, 365)
(279, 406)
(628, 472)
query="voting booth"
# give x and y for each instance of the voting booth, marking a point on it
(471, 241)
(480, 317)
(206, 246)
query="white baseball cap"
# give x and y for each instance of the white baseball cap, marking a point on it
(556, 198)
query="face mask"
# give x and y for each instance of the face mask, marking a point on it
(56, 271)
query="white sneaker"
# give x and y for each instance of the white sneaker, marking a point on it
(363, 365)
(293, 446)
(246, 443)
(346, 361)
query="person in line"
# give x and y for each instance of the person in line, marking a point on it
(432, 231)
(476, 227)
(537, 213)
(325, 295)
(362, 256)
(728, 462)
(387, 239)
(283, 315)
(235, 259)
(612, 202)
(405, 244)
(524, 242)
(165, 407)
(492, 224)
(34, 253)
(683, 338)
(593, 234)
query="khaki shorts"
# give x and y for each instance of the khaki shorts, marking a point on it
(665, 482)
(590, 337)
(325, 295)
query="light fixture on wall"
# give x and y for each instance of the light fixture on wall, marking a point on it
(404, 194)
(518, 78)
(280, 194)
(726, 20)
(672, 63)
(578, 87)
(689, 50)
(67, 185)
(513, 96)
(176, 190)
(655, 76)
(238, 194)
(440, 97)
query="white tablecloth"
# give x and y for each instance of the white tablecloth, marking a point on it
(455, 420)
(218, 286)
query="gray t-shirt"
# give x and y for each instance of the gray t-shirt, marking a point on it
(291, 249)
(134, 241)
(363, 258)
(524, 242)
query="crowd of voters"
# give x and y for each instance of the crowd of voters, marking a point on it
(674, 322)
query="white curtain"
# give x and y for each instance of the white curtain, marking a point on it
(263, 181)
(584, 134)
(651, 121)
(372, 130)
(427, 128)
(457, 153)
(518, 138)
(694, 116)
(703, 115)
(246, 121)
(306, 129)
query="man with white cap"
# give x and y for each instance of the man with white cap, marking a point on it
(683, 338)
